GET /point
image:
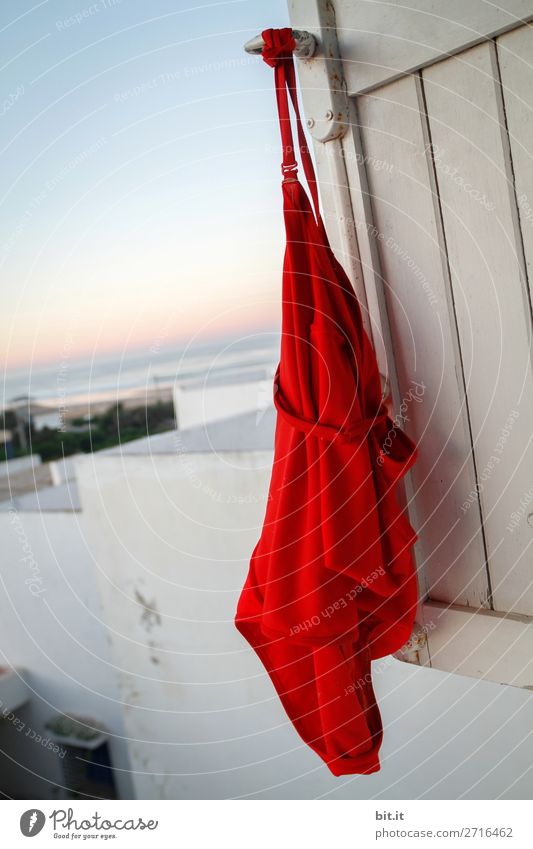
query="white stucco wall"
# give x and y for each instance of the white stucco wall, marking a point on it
(51, 628)
(171, 535)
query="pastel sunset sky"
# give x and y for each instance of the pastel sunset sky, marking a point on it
(140, 156)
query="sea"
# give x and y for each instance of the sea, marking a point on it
(154, 370)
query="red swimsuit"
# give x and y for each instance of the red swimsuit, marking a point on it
(332, 583)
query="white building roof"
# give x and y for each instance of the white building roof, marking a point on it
(253, 431)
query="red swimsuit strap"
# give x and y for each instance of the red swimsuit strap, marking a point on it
(277, 52)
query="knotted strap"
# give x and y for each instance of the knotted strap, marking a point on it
(348, 432)
(279, 44)
(277, 52)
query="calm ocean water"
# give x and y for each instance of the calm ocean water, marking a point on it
(140, 371)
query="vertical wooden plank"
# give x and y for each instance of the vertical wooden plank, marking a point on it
(474, 175)
(323, 94)
(515, 56)
(369, 259)
(414, 263)
(337, 214)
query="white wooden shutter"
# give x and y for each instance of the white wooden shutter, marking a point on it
(426, 179)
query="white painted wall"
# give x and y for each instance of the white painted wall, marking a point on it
(51, 629)
(62, 470)
(171, 535)
(199, 404)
